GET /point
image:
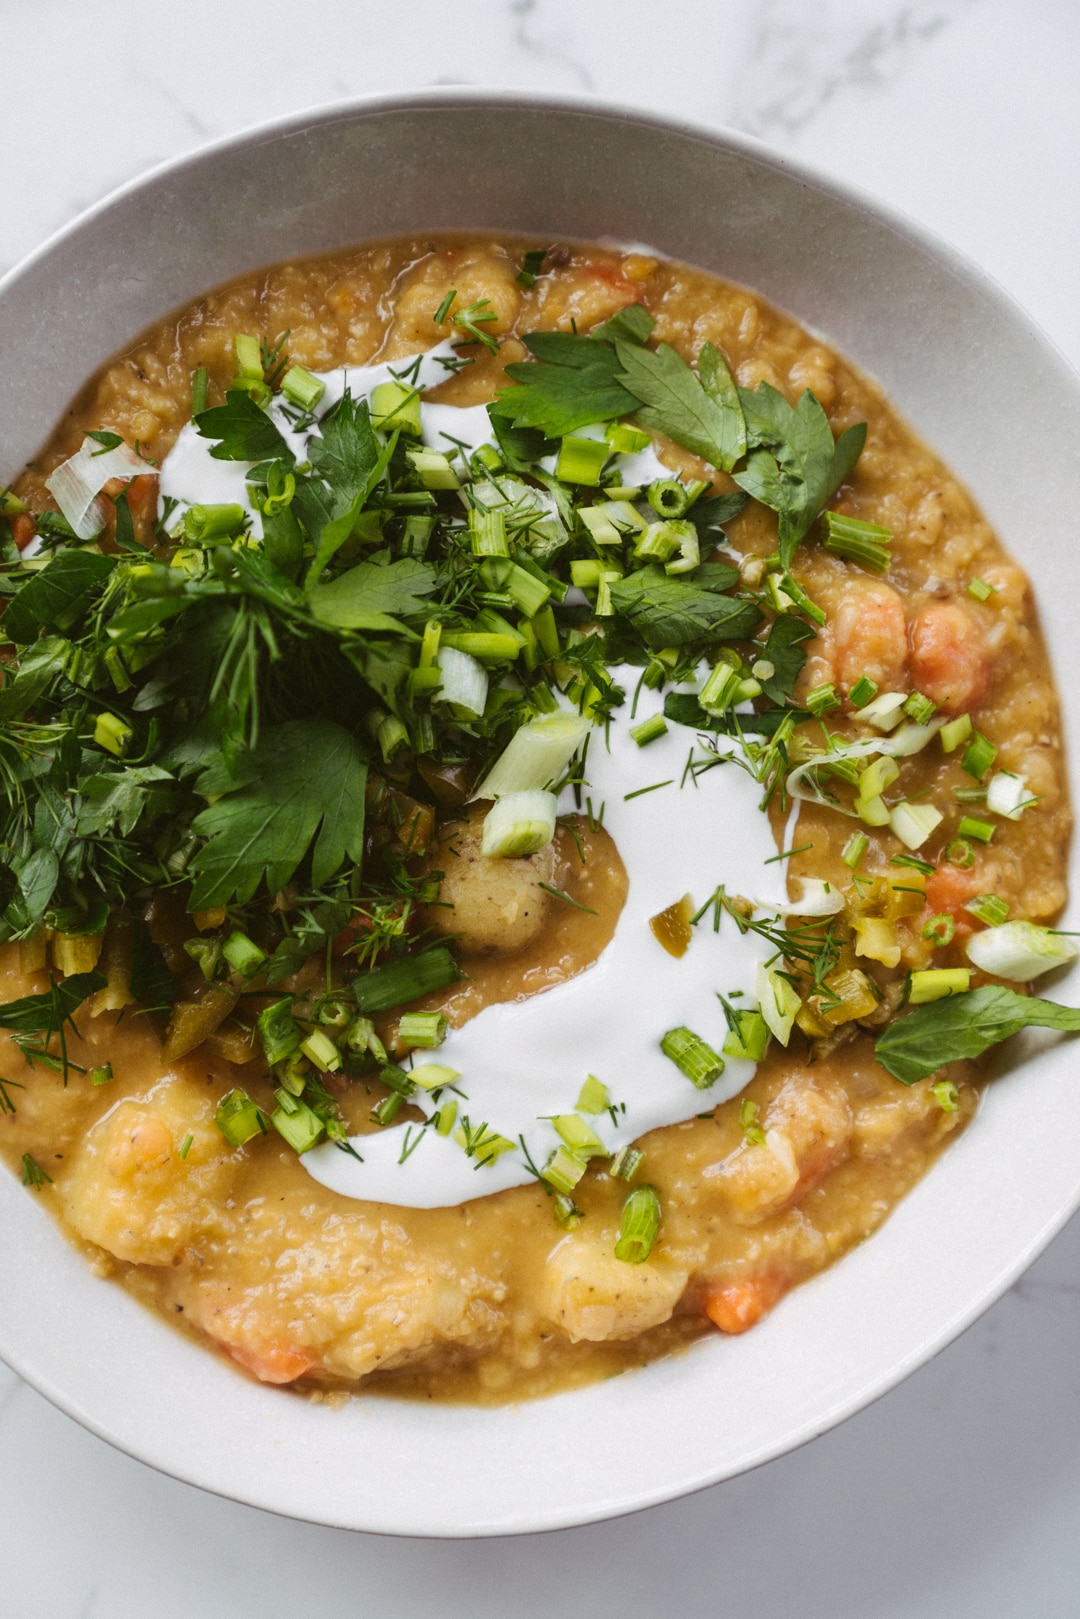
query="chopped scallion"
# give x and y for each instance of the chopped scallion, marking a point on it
(978, 756)
(947, 1095)
(424, 1030)
(594, 1097)
(301, 388)
(243, 954)
(868, 544)
(278, 1031)
(101, 1075)
(862, 691)
(988, 908)
(581, 460)
(854, 849)
(239, 1118)
(648, 731)
(920, 708)
(940, 930)
(980, 590)
(981, 831)
(822, 699)
(935, 983)
(693, 1057)
(626, 1163)
(953, 732)
(563, 1170)
(396, 982)
(749, 1038)
(639, 1225)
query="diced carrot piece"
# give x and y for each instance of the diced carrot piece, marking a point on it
(22, 529)
(281, 1362)
(742, 1304)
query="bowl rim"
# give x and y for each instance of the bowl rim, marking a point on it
(722, 139)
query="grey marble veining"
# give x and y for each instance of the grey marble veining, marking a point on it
(959, 1492)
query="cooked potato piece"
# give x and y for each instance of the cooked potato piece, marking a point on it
(130, 1191)
(494, 907)
(593, 1295)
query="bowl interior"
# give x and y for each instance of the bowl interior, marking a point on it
(965, 366)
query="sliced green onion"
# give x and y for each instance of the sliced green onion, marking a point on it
(579, 1136)
(1020, 950)
(248, 351)
(239, 1118)
(278, 1031)
(599, 524)
(1007, 795)
(296, 1123)
(112, 734)
(200, 383)
(947, 1095)
(434, 471)
(668, 497)
(301, 388)
(981, 831)
(386, 1111)
(464, 681)
(395, 406)
(722, 688)
(487, 531)
(854, 849)
(319, 1049)
(953, 732)
(980, 590)
(937, 982)
(978, 756)
(566, 1212)
(885, 711)
(243, 954)
(960, 853)
(205, 524)
(424, 1030)
(862, 691)
(393, 984)
(940, 930)
(920, 708)
(689, 549)
(445, 1118)
(518, 824)
(101, 1075)
(537, 755)
(914, 823)
(639, 1225)
(989, 908)
(749, 1040)
(581, 460)
(693, 1057)
(547, 632)
(658, 542)
(484, 646)
(778, 1001)
(626, 1163)
(432, 1076)
(563, 1170)
(417, 535)
(648, 731)
(865, 543)
(822, 699)
(594, 1097)
(206, 953)
(626, 440)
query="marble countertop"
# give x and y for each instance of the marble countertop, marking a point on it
(959, 1492)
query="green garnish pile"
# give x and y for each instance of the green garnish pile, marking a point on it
(259, 725)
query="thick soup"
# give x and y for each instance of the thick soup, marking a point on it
(492, 896)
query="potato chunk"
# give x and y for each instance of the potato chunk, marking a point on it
(808, 1129)
(593, 1295)
(494, 907)
(130, 1191)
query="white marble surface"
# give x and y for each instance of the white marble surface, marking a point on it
(959, 1493)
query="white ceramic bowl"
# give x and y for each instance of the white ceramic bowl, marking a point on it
(980, 382)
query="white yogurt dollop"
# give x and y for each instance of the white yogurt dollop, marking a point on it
(523, 1063)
